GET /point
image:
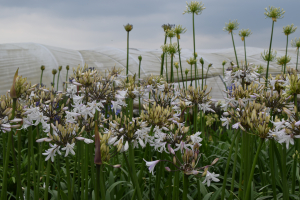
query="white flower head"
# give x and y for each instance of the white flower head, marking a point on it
(211, 177)
(151, 165)
(69, 148)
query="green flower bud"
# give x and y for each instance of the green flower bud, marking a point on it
(201, 61)
(140, 58)
(224, 62)
(128, 27)
(186, 71)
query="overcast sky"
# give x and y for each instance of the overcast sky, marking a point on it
(88, 24)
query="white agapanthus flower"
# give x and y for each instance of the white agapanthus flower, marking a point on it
(50, 153)
(225, 121)
(93, 106)
(205, 107)
(71, 90)
(69, 148)
(151, 165)
(211, 177)
(196, 139)
(121, 94)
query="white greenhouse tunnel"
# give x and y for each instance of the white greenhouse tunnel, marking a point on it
(29, 57)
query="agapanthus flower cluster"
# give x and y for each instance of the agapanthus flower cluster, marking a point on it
(124, 131)
(244, 94)
(63, 137)
(242, 75)
(187, 163)
(274, 101)
(197, 96)
(174, 135)
(286, 130)
(252, 118)
(6, 114)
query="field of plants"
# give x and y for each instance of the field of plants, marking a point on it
(115, 136)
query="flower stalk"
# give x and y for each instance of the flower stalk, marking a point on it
(247, 196)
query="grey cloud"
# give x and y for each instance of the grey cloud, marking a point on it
(89, 24)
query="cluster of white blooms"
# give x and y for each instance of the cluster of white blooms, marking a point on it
(124, 132)
(34, 116)
(285, 131)
(176, 136)
(239, 76)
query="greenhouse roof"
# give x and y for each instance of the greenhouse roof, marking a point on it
(29, 57)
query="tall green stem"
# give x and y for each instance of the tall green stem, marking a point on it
(186, 81)
(74, 174)
(180, 63)
(287, 44)
(97, 182)
(86, 171)
(227, 166)
(195, 57)
(236, 58)
(158, 176)
(67, 80)
(29, 161)
(191, 75)
(58, 176)
(127, 55)
(33, 168)
(242, 149)
(19, 162)
(39, 159)
(245, 52)
(68, 178)
(194, 35)
(297, 58)
(53, 83)
(267, 72)
(47, 180)
(167, 67)
(48, 172)
(284, 174)
(41, 77)
(133, 172)
(272, 166)
(234, 166)
(4, 182)
(178, 79)
(102, 184)
(57, 80)
(185, 186)
(82, 175)
(206, 74)
(140, 85)
(295, 167)
(202, 76)
(253, 168)
(196, 75)
(16, 164)
(163, 58)
(172, 72)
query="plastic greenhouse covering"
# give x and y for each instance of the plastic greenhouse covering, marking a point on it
(29, 57)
